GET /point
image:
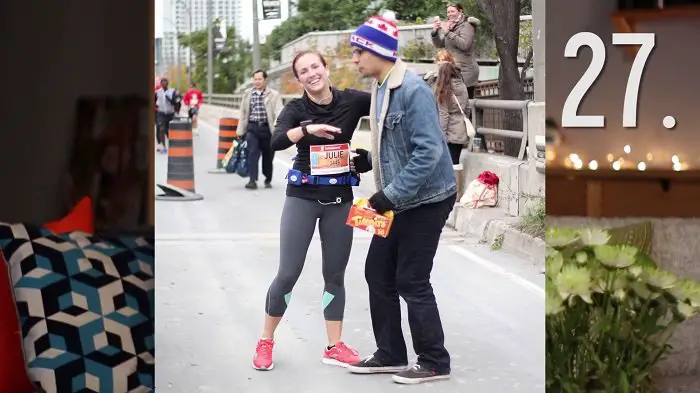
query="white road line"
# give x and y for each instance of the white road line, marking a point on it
(261, 236)
(222, 236)
(498, 270)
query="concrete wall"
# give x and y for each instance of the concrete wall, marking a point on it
(53, 53)
(518, 178)
(669, 87)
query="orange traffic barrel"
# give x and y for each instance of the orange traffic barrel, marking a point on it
(228, 128)
(180, 180)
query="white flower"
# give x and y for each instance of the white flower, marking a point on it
(574, 281)
(594, 236)
(581, 257)
(616, 256)
(660, 279)
(686, 310)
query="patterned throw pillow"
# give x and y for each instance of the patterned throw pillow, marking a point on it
(86, 309)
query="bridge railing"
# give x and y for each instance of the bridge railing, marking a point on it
(496, 120)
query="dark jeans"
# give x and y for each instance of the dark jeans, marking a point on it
(400, 265)
(258, 138)
(162, 124)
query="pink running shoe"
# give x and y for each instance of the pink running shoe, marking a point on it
(263, 355)
(340, 355)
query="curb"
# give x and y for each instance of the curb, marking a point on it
(516, 240)
(489, 223)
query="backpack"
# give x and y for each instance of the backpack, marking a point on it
(236, 159)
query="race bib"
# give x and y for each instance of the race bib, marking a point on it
(330, 159)
(194, 100)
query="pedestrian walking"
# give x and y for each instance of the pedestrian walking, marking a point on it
(193, 99)
(321, 124)
(414, 178)
(260, 107)
(166, 98)
(453, 99)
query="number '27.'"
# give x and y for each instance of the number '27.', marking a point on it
(570, 116)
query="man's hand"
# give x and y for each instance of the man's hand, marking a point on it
(361, 162)
(380, 203)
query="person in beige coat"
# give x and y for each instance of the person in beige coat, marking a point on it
(260, 107)
(452, 98)
(458, 35)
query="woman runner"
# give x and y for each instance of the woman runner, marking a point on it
(321, 124)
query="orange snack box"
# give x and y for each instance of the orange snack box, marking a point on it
(362, 216)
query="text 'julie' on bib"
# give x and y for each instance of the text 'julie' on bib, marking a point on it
(330, 159)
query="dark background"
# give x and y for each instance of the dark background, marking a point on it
(54, 52)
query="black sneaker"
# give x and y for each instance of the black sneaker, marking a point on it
(370, 365)
(419, 374)
(268, 184)
(252, 185)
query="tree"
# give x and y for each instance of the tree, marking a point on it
(504, 16)
(177, 77)
(415, 9)
(344, 73)
(423, 10)
(233, 64)
(317, 15)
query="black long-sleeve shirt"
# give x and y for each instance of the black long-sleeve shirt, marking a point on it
(344, 112)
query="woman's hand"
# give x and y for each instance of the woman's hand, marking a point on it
(446, 26)
(323, 130)
(436, 24)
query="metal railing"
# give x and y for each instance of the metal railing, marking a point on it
(477, 113)
(484, 90)
(482, 111)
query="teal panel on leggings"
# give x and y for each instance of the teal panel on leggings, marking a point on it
(287, 298)
(327, 299)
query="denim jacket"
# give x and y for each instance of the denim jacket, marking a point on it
(412, 163)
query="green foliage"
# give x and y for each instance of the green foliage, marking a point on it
(610, 312)
(413, 9)
(317, 15)
(533, 222)
(233, 65)
(525, 34)
(418, 50)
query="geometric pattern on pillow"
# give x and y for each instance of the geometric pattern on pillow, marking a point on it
(86, 309)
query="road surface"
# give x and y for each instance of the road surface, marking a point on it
(216, 258)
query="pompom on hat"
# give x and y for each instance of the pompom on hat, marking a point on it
(378, 35)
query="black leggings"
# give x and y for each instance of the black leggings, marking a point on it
(455, 151)
(297, 228)
(162, 126)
